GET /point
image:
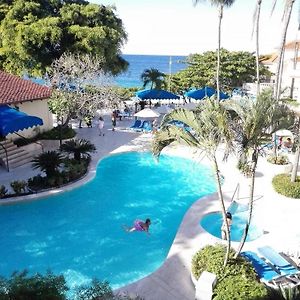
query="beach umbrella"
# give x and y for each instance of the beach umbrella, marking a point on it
(283, 132)
(204, 92)
(147, 113)
(164, 109)
(155, 94)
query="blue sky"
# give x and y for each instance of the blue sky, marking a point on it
(177, 27)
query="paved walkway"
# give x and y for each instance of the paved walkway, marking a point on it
(276, 214)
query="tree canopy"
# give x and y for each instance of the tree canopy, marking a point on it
(236, 68)
(34, 33)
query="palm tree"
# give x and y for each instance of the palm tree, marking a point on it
(251, 121)
(209, 127)
(48, 162)
(78, 147)
(256, 18)
(220, 4)
(287, 16)
(154, 77)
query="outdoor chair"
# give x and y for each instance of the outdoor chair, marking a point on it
(146, 126)
(279, 262)
(136, 124)
(205, 285)
(265, 272)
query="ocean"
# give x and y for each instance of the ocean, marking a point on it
(138, 63)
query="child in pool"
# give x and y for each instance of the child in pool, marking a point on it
(139, 226)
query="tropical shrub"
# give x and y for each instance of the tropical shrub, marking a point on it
(75, 169)
(3, 191)
(38, 287)
(57, 133)
(278, 160)
(237, 280)
(52, 287)
(72, 170)
(78, 148)
(19, 187)
(37, 183)
(283, 185)
(100, 290)
(48, 162)
(96, 289)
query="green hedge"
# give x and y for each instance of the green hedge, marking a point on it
(53, 134)
(73, 171)
(283, 185)
(237, 281)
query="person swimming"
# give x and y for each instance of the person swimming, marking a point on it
(139, 225)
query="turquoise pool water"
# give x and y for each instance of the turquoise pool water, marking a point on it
(212, 223)
(79, 233)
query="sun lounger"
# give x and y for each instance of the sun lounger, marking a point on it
(264, 271)
(136, 124)
(146, 126)
(204, 286)
(280, 263)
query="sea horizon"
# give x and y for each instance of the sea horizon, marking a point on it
(139, 62)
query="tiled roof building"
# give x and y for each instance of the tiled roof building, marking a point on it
(14, 89)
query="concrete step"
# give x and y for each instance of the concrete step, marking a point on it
(25, 158)
(6, 142)
(9, 147)
(10, 152)
(17, 154)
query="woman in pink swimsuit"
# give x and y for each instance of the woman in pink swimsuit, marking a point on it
(139, 225)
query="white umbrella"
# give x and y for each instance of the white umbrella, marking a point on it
(164, 109)
(147, 113)
(283, 132)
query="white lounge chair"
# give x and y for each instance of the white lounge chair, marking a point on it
(205, 285)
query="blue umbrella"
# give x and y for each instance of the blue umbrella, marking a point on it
(155, 94)
(205, 92)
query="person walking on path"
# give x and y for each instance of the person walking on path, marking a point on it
(114, 120)
(101, 126)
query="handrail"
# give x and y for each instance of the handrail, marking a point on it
(24, 138)
(6, 155)
(237, 190)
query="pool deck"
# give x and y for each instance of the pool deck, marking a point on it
(276, 214)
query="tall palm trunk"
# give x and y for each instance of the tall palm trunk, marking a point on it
(289, 8)
(250, 205)
(219, 50)
(257, 46)
(294, 68)
(297, 156)
(220, 194)
(295, 164)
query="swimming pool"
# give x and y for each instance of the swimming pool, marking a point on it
(212, 223)
(79, 233)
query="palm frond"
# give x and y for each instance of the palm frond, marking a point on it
(183, 115)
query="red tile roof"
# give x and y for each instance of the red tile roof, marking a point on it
(14, 89)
